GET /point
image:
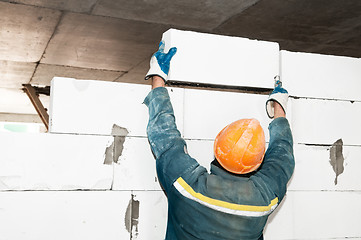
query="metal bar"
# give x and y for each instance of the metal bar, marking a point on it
(34, 98)
(217, 87)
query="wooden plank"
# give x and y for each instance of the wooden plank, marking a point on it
(222, 60)
(97, 107)
(54, 162)
(321, 76)
(34, 98)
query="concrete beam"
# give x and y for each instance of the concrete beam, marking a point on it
(16, 101)
(14, 74)
(45, 73)
(107, 105)
(83, 6)
(14, 117)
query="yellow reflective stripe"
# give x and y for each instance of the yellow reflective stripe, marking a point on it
(238, 209)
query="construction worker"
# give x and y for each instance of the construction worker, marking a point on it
(219, 204)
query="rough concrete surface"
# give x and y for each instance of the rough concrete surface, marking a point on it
(322, 26)
(101, 43)
(98, 39)
(25, 31)
(14, 74)
(201, 14)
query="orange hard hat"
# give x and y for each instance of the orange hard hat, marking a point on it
(240, 146)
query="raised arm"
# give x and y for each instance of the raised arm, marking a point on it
(278, 164)
(161, 129)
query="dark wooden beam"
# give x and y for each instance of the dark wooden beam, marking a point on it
(34, 98)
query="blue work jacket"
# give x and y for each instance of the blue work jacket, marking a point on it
(216, 205)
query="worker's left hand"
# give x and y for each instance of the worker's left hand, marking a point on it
(160, 61)
(279, 95)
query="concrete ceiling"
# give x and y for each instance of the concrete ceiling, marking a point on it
(113, 40)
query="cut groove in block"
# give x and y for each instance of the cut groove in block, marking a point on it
(221, 60)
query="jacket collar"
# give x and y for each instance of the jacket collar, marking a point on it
(216, 169)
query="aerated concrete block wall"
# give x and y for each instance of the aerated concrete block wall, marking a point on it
(93, 175)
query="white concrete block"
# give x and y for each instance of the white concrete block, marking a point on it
(222, 60)
(53, 162)
(93, 107)
(316, 215)
(136, 167)
(321, 76)
(324, 122)
(313, 170)
(202, 151)
(326, 215)
(16, 101)
(153, 211)
(208, 112)
(280, 224)
(63, 215)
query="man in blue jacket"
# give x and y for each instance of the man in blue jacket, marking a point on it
(219, 204)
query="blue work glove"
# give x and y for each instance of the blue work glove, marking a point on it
(159, 63)
(280, 95)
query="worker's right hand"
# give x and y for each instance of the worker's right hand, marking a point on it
(160, 61)
(279, 95)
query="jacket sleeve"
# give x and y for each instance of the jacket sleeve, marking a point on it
(278, 164)
(162, 129)
(167, 145)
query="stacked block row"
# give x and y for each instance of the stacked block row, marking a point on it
(93, 176)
